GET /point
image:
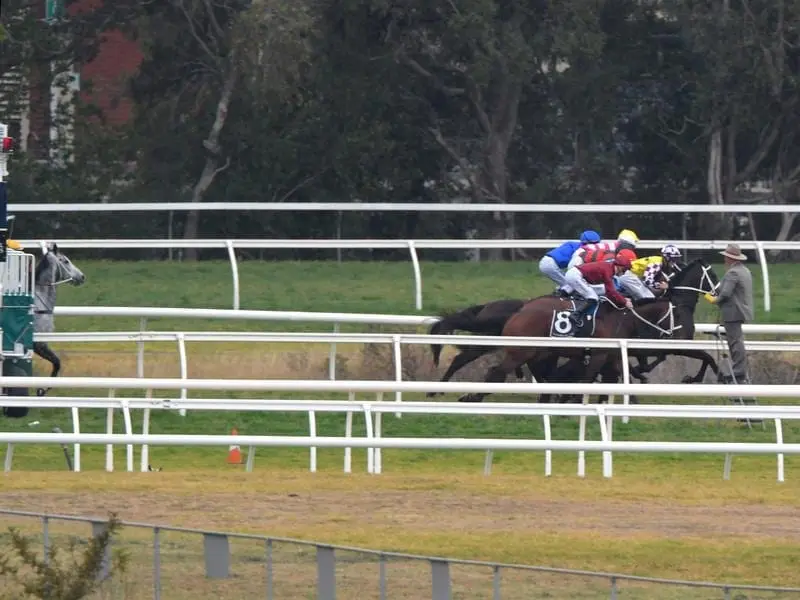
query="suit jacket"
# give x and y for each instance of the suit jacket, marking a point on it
(735, 297)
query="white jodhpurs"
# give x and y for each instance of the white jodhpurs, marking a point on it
(634, 287)
(549, 267)
(576, 260)
(580, 285)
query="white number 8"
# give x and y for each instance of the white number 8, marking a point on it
(562, 323)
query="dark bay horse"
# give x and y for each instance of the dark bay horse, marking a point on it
(488, 319)
(686, 285)
(535, 320)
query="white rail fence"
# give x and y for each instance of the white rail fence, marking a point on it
(335, 318)
(144, 313)
(411, 245)
(182, 338)
(626, 209)
(374, 440)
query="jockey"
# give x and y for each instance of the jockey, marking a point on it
(629, 283)
(604, 250)
(655, 271)
(583, 277)
(558, 258)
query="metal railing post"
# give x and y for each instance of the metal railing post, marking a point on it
(156, 564)
(326, 573)
(234, 272)
(412, 250)
(762, 259)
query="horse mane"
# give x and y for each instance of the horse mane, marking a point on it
(685, 269)
(41, 266)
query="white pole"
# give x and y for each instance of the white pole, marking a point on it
(762, 258)
(417, 275)
(234, 273)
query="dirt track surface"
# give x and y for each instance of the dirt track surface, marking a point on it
(422, 511)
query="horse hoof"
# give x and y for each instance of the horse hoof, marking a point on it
(469, 398)
(688, 379)
(433, 394)
(41, 392)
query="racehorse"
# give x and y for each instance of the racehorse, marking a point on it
(480, 319)
(685, 287)
(536, 319)
(489, 319)
(54, 269)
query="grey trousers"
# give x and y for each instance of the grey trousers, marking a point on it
(733, 333)
(549, 267)
(631, 284)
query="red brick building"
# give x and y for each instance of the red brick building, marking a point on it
(103, 82)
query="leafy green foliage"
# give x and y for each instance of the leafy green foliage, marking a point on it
(69, 573)
(485, 100)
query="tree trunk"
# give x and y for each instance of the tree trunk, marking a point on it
(713, 225)
(212, 166)
(714, 180)
(503, 122)
(496, 181)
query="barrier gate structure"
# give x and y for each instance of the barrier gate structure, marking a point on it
(17, 287)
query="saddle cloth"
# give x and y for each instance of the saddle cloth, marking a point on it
(562, 326)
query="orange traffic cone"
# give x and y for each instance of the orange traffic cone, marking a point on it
(234, 452)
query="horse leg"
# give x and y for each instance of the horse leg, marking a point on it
(707, 360)
(462, 359)
(644, 367)
(701, 355)
(43, 350)
(498, 374)
(543, 370)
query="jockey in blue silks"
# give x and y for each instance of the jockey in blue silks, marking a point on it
(558, 258)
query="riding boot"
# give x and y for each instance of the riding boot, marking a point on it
(581, 307)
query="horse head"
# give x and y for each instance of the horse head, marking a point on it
(56, 268)
(697, 276)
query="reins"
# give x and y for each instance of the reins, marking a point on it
(704, 278)
(668, 314)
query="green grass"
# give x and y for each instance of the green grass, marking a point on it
(349, 287)
(388, 288)
(376, 287)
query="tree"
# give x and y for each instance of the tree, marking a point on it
(201, 55)
(466, 67)
(741, 79)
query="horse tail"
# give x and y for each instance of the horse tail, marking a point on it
(448, 323)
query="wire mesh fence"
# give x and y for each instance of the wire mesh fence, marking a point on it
(189, 564)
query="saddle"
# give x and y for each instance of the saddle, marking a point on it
(565, 324)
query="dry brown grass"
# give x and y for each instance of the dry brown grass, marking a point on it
(264, 361)
(737, 530)
(370, 361)
(741, 532)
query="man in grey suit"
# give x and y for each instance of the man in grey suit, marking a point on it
(735, 300)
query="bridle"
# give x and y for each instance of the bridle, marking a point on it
(669, 314)
(704, 278)
(59, 270)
